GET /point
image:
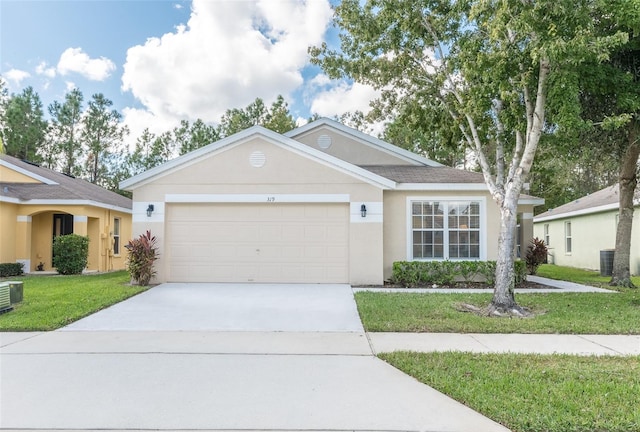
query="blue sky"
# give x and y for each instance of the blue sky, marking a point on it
(162, 61)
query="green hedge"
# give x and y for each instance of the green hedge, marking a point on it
(70, 253)
(11, 269)
(420, 273)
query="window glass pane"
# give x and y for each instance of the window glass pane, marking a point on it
(417, 222)
(453, 251)
(427, 208)
(438, 237)
(464, 251)
(474, 251)
(474, 237)
(453, 237)
(116, 227)
(428, 237)
(416, 208)
(427, 251)
(474, 222)
(474, 208)
(463, 222)
(438, 221)
(453, 222)
(463, 237)
(438, 251)
(417, 251)
(417, 237)
(428, 222)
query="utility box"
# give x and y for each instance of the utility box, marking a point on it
(5, 297)
(16, 291)
(606, 262)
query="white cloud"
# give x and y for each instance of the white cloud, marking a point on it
(339, 97)
(15, 77)
(228, 54)
(44, 69)
(70, 85)
(75, 60)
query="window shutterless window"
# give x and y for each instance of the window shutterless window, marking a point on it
(567, 238)
(116, 236)
(445, 229)
(546, 234)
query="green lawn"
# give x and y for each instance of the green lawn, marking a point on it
(580, 276)
(577, 313)
(534, 393)
(51, 302)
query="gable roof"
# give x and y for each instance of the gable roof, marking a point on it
(270, 136)
(363, 138)
(606, 199)
(56, 188)
(425, 174)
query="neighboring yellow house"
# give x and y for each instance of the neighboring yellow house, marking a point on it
(38, 204)
(576, 232)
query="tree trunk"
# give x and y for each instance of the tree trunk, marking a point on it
(504, 302)
(621, 275)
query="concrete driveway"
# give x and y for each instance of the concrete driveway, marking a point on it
(218, 357)
(232, 307)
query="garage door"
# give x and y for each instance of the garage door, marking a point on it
(258, 243)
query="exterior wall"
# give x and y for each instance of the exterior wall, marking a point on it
(28, 234)
(8, 232)
(284, 175)
(396, 223)
(349, 149)
(7, 175)
(590, 234)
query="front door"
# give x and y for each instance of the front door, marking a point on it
(62, 225)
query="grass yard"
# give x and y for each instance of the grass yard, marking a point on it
(568, 313)
(580, 276)
(51, 302)
(533, 393)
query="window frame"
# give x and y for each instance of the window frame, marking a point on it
(447, 201)
(568, 238)
(117, 225)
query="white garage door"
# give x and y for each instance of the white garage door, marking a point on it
(258, 243)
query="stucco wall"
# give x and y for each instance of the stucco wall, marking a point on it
(590, 234)
(349, 149)
(8, 216)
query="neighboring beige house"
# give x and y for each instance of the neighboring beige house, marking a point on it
(576, 232)
(38, 204)
(323, 203)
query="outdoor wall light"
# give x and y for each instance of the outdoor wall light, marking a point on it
(363, 210)
(150, 210)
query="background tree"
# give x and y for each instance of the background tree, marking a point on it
(4, 99)
(66, 129)
(196, 135)
(492, 66)
(102, 136)
(276, 118)
(24, 127)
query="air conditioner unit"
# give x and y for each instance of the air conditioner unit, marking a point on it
(5, 298)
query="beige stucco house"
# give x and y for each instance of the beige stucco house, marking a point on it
(322, 203)
(38, 204)
(577, 231)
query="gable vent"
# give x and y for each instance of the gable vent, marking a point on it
(324, 141)
(257, 159)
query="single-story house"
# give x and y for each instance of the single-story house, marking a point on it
(323, 203)
(576, 232)
(38, 204)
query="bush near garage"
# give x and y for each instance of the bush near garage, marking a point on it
(143, 253)
(447, 273)
(70, 253)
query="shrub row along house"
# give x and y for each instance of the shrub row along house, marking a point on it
(38, 204)
(323, 203)
(578, 231)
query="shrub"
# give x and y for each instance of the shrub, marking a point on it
(143, 252)
(536, 255)
(11, 269)
(70, 253)
(422, 273)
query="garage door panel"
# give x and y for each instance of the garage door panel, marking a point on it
(258, 242)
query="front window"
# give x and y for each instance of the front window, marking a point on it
(567, 237)
(445, 229)
(116, 236)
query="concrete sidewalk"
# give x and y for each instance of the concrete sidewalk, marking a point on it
(507, 343)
